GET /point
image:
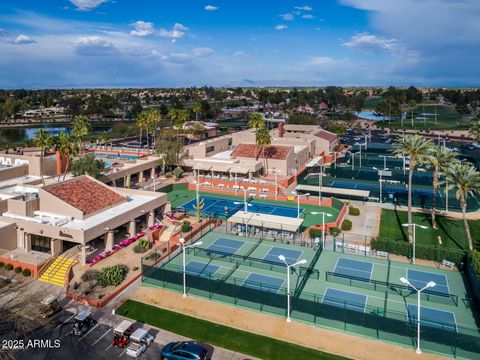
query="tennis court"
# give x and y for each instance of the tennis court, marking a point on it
(359, 269)
(419, 279)
(263, 282)
(345, 299)
(291, 256)
(226, 245)
(226, 207)
(432, 317)
(201, 269)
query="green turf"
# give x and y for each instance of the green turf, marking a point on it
(451, 231)
(180, 197)
(447, 118)
(237, 340)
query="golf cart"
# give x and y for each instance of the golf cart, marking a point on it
(82, 323)
(141, 339)
(49, 306)
(121, 333)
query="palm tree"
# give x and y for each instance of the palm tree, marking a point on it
(262, 138)
(68, 148)
(416, 148)
(474, 130)
(438, 158)
(141, 123)
(80, 128)
(196, 108)
(178, 117)
(255, 121)
(466, 180)
(43, 140)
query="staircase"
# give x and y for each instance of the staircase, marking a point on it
(167, 233)
(56, 273)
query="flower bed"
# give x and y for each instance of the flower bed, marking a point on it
(121, 245)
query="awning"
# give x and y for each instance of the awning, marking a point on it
(220, 168)
(202, 167)
(267, 221)
(239, 170)
(314, 162)
(333, 190)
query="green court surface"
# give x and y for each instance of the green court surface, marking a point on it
(180, 197)
(357, 294)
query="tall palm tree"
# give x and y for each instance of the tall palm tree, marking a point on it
(141, 123)
(255, 121)
(262, 138)
(416, 148)
(43, 140)
(438, 158)
(68, 148)
(196, 108)
(80, 128)
(178, 117)
(474, 130)
(466, 180)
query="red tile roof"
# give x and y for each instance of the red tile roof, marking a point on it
(277, 152)
(327, 135)
(85, 194)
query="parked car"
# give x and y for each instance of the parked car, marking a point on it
(82, 323)
(121, 333)
(183, 350)
(140, 341)
(49, 306)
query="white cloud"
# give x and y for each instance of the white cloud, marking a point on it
(202, 52)
(371, 43)
(23, 39)
(308, 16)
(281, 27)
(320, 61)
(304, 8)
(86, 5)
(142, 28)
(178, 31)
(287, 16)
(211, 8)
(94, 46)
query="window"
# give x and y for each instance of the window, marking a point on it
(210, 148)
(230, 141)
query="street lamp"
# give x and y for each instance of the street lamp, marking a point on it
(320, 185)
(414, 227)
(360, 147)
(276, 171)
(182, 243)
(380, 173)
(244, 198)
(301, 262)
(430, 284)
(323, 224)
(298, 202)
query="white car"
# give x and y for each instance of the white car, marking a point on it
(140, 341)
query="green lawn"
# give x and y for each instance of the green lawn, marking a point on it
(223, 336)
(180, 197)
(451, 231)
(447, 118)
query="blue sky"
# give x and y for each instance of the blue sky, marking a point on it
(141, 43)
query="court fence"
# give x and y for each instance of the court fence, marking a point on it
(324, 311)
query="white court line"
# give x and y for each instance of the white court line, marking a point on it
(101, 336)
(71, 317)
(89, 331)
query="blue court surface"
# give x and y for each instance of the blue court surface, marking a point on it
(226, 207)
(345, 299)
(361, 270)
(201, 269)
(432, 317)
(226, 246)
(291, 256)
(420, 278)
(263, 282)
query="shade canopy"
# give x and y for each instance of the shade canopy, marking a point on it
(267, 221)
(336, 191)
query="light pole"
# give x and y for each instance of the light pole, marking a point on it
(323, 224)
(360, 147)
(276, 171)
(430, 284)
(353, 161)
(380, 173)
(182, 243)
(300, 262)
(414, 227)
(298, 202)
(244, 198)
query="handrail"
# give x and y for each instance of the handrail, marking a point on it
(53, 271)
(46, 264)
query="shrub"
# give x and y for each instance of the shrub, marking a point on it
(2, 264)
(353, 211)
(76, 285)
(178, 172)
(334, 231)
(346, 225)
(9, 267)
(26, 272)
(90, 275)
(314, 232)
(152, 256)
(186, 227)
(139, 248)
(18, 269)
(112, 275)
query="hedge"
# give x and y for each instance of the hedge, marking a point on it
(18, 269)
(427, 252)
(26, 272)
(314, 232)
(346, 225)
(2, 264)
(353, 211)
(9, 267)
(334, 231)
